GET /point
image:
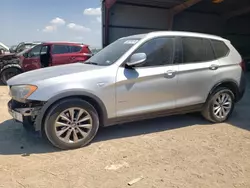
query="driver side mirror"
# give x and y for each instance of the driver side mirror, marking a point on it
(137, 59)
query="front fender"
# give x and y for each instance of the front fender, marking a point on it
(70, 93)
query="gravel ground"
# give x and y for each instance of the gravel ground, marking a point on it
(179, 151)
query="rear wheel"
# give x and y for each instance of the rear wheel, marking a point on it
(219, 106)
(8, 73)
(71, 124)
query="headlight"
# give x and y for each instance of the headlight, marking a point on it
(22, 92)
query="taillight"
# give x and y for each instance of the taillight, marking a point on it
(243, 65)
(86, 52)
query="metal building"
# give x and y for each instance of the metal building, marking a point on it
(227, 18)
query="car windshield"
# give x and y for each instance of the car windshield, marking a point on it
(112, 52)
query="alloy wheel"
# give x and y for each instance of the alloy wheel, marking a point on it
(222, 105)
(73, 125)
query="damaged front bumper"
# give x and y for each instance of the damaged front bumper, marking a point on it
(24, 113)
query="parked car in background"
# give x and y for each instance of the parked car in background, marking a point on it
(95, 50)
(44, 55)
(16, 50)
(13, 48)
(4, 49)
(134, 78)
(54, 53)
(10, 66)
(22, 46)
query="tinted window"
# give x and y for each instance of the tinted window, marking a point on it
(193, 50)
(197, 50)
(75, 48)
(159, 51)
(60, 49)
(220, 49)
(209, 50)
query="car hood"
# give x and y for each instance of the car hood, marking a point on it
(6, 55)
(51, 72)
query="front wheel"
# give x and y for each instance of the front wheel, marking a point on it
(71, 124)
(219, 106)
(8, 73)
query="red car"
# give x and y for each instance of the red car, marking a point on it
(54, 53)
(44, 55)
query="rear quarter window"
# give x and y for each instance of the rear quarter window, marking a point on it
(220, 48)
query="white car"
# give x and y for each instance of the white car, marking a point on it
(134, 78)
(4, 48)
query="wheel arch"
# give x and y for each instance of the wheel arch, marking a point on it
(95, 101)
(17, 66)
(9, 66)
(229, 84)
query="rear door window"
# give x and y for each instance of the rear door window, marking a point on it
(210, 56)
(197, 50)
(193, 50)
(220, 49)
(75, 49)
(61, 49)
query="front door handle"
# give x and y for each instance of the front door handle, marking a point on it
(213, 67)
(170, 74)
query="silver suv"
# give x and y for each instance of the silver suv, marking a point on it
(136, 77)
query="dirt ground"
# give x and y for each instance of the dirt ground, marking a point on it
(173, 152)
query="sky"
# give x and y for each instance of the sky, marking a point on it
(50, 20)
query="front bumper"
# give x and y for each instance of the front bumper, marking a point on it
(22, 112)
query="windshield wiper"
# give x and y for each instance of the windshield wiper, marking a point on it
(91, 63)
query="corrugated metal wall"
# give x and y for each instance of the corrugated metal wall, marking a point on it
(237, 30)
(128, 20)
(199, 22)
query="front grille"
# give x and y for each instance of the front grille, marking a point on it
(16, 104)
(29, 104)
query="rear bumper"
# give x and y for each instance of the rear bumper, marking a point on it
(242, 87)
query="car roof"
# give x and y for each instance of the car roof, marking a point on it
(140, 36)
(64, 42)
(178, 33)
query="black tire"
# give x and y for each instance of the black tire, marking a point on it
(54, 112)
(208, 112)
(8, 73)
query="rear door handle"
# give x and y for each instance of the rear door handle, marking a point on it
(213, 67)
(170, 74)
